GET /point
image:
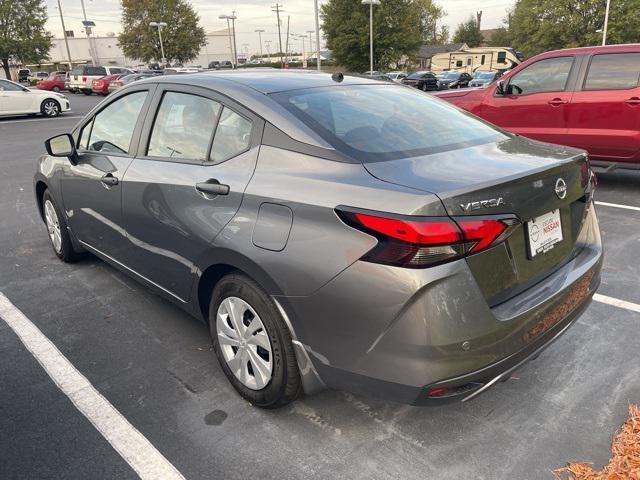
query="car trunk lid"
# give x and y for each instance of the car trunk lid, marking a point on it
(513, 178)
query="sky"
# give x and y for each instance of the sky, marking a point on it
(252, 15)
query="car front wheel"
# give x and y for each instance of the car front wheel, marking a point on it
(56, 89)
(87, 91)
(252, 343)
(50, 108)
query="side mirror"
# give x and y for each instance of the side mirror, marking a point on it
(500, 87)
(62, 146)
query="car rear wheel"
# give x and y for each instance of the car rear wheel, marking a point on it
(57, 229)
(87, 91)
(252, 343)
(424, 87)
(56, 89)
(50, 108)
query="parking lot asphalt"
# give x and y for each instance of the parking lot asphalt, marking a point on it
(154, 364)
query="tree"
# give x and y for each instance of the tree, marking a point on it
(397, 32)
(431, 15)
(500, 38)
(22, 34)
(182, 38)
(469, 33)
(541, 25)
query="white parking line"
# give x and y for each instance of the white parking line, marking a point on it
(617, 205)
(634, 307)
(136, 450)
(63, 117)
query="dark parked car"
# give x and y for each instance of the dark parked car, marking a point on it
(345, 233)
(215, 65)
(482, 78)
(453, 79)
(425, 81)
(583, 97)
(23, 75)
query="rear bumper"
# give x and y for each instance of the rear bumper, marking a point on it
(399, 334)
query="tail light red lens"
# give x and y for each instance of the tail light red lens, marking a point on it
(418, 242)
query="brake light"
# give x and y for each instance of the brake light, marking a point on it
(418, 242)
(84, 79)
(481, 234)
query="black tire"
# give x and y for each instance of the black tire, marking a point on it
(66, 253)
(87, 91)
(50, 107)
(285, 384)
(424, 87)
(56, 89)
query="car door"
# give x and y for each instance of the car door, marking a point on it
(92, 188)
(15, 99)
(198, 154)
(535, 100)
(604, 113)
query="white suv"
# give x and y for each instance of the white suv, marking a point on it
(80, 78)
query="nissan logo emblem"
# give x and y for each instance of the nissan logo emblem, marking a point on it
(561, 188)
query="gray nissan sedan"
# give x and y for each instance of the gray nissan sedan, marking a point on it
(333, 232)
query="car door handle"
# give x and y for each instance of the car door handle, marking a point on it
(212, 187)
(556, 102)
(109, 180)
(633, 101)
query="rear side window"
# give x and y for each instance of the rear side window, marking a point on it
(375, 123)
(233, 136)
(549, 75)
(93, 71)
(615, 71)
(502, 57)
(113, 127)
(183, 127)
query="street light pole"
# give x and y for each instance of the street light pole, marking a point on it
(87, 30)
(315, 6)
(235, 48)
(64, 32)
(160, 26)
(259, 32)
(268, 44)
(606, 24)
(310, 43)
(234, 61)
(371, 3)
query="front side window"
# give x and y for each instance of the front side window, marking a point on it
(549, 75)
(613, 71)
(502, 57)
(233, 136)
(113, 127)
(9, 86)
(374, 123)
(183, 127)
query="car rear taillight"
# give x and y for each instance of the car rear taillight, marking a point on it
(84, 79)
(418, 242)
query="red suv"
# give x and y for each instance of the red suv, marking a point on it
(582, 97)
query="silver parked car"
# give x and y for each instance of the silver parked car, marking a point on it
(332, 231)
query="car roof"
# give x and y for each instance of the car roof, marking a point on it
(267, 80)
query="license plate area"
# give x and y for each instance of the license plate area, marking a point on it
(543, 233)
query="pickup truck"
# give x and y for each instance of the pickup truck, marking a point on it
(581, 97)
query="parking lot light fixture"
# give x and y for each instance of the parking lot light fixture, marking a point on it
(260, 32)
(232, 42)
(160, 26)
(606, 24)
(371, 3)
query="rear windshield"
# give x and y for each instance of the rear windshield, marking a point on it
(77, 71)
(374, 123)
